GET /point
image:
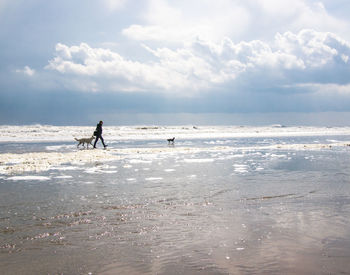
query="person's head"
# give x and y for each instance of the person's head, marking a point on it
(101, 122)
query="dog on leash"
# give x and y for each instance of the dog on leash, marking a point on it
(171, 140)
(85, 140)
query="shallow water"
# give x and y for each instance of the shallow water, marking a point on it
(210, 206)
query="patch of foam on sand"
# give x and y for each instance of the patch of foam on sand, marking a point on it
(66, 168)
(42, 161)
(240, 168)
(63, 177)
(138, 161)
(198, 160)
(34, 178)
(11, 163)
(153, 178)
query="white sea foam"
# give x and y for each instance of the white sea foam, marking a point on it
(63, 177)
(153, 178)
(15, 163)
(198, 160)
(31, 178)
(238, 156)
(109, 166)
(59, 147)
(332, 140)
(29, 133)
(41, 161)
(137, 161)
(65, 168)
(241, 168)
(277, 156)
(99, 170)
(92, 170)
(109, 171)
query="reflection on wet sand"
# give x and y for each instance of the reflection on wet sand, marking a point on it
(200, 210)
(248, 240)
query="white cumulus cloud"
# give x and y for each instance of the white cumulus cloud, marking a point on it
(208, 65)
(26, 70)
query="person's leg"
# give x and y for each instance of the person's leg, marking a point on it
(103, 142)
(97, 137)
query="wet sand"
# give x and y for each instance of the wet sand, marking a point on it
(252, 206)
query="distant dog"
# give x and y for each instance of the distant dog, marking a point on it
(85, 140)
(171, 140)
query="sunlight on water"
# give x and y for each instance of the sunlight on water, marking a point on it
(210, 205)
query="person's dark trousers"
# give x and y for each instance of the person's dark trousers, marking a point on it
(97, 138)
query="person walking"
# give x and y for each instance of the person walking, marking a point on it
(98, 134)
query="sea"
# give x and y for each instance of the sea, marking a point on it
(269, 199)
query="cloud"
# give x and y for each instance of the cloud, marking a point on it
(314, 48)
(156, 33)
(326, 89)
(182, 56)
(113, 72)
(305, 57)
(114, 5)
(295, 15)
(174, 21)
(26, 70)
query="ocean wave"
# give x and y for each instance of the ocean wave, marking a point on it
(48, 133)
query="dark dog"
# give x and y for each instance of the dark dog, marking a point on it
(171, 140)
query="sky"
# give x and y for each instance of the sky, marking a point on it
(77, 62)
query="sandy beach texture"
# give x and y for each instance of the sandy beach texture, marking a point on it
(221, 200)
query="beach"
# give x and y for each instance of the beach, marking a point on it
(220, 200)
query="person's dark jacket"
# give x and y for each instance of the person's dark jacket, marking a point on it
(99, 129)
